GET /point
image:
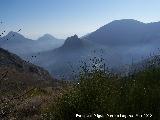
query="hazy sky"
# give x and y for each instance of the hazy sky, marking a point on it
(63, 18)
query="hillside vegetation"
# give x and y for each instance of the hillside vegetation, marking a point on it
(24, 88)
(96, 92)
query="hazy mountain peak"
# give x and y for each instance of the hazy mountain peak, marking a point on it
(46, 36)
(75, 37)
(126, 21)
(72, 39)
(120, 32)
(123, 23)
(14, 34)
(11, 32)
(73, 42)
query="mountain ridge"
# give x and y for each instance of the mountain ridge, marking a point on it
(120, 40)
(125, 29)
(18, 44)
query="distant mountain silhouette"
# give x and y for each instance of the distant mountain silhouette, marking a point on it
(22, 46)
(73, 43)
(58, 61)
(47, 38)
(122, 41)
(126, 32)
(127, 39)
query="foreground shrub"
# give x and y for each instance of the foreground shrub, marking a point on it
(102, 93)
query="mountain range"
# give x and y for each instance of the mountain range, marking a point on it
(122, 42)
(18, 44)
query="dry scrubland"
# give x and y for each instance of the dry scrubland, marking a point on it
(95, 91)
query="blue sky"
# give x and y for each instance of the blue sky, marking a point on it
(63, 18)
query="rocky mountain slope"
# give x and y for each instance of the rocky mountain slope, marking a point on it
(19, 75)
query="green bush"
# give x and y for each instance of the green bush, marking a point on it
(100, 92)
